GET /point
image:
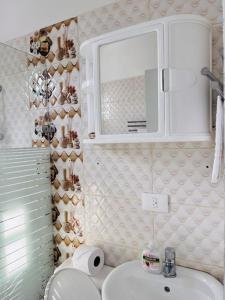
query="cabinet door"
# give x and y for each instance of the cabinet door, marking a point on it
(129, 96)
(189, 92)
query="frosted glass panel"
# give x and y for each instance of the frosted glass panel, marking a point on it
(26, 248)
(26, 245)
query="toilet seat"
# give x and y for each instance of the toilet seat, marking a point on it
(71, 284)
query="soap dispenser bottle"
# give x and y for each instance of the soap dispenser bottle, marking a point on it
(151, 259)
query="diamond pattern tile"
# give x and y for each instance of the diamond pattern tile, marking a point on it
(18, 43)
(116, 255)
(211, 9)
(121, 172)
(185, 175)
(12, 61)
(217, 49)
(196, 233)
(118, 221)
(194, 224)
(68, 214)
(111, 17)
(217, 272)
(17, 120)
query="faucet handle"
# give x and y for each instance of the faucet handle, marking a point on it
(170, 254)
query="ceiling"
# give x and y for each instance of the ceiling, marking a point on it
(19, 17)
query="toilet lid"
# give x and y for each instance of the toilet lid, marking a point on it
(71, 284)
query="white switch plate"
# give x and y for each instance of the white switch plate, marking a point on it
(155, 202)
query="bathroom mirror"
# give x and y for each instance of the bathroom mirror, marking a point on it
(129, 85)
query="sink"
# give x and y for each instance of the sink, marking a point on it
(130, 282)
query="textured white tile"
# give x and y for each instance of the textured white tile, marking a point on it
(211, 9)
(118, 221)
(12, 61)
(185, 175)
(18, 43)
(119, 172)
(197, 233)
(112, 172)
(112, 17)
(187, 145)
(217, 272)
(116, 254)
(16, 117)
(217, 50)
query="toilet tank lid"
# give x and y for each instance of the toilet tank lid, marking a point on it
(71, 280)
(98, 279)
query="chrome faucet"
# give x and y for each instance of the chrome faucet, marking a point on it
(169, 264)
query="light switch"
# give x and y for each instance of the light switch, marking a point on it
(155, 202)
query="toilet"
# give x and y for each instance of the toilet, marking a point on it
(68, 283)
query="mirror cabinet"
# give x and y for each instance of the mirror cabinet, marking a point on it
(144, 83)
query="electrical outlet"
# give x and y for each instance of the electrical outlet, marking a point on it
(155, 202)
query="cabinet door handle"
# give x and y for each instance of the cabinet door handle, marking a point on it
(163, 83)
(165, 80)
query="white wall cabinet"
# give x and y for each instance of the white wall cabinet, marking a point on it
(144, 83)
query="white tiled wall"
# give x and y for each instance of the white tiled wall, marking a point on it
(128, 12)
(14, 79)
(114, 180)
(116, 175)
(111, 17)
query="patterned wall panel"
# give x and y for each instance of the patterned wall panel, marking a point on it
(211, 9)
(115, 175)
(129, 12)
(57, 47)
(114, 180)
(111, 17)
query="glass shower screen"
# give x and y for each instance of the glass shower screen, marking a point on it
(26, 248)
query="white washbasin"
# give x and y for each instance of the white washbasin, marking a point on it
(130, 282)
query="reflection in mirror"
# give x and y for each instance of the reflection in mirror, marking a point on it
(129, 85)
